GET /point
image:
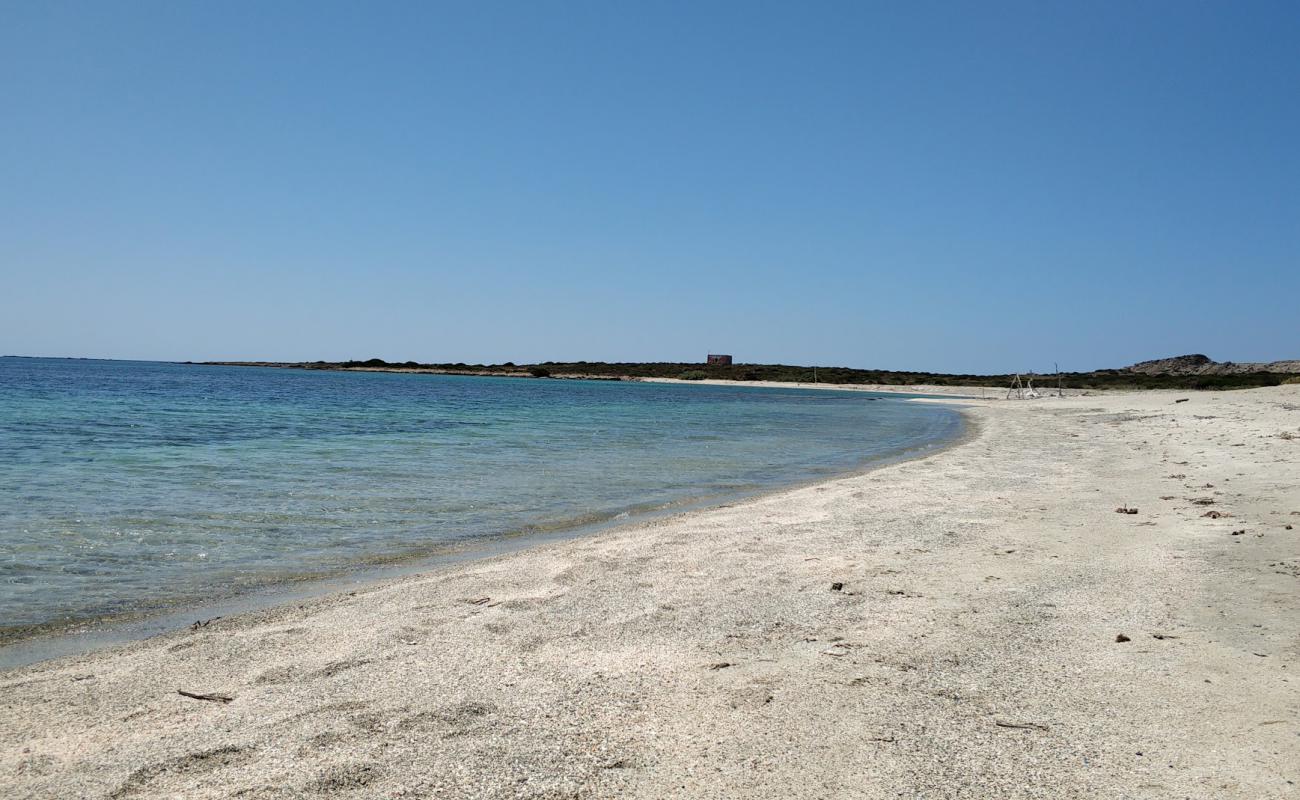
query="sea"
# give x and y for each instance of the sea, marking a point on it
(130, 487)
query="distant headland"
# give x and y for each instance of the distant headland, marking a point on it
(1181, 372)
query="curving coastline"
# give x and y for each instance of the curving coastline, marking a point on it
(21, 646)
(158, 487)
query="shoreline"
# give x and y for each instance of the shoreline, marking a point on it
(944, 626)
(28, 645)
(954, 392)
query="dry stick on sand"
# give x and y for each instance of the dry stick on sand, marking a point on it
(1031, 726)
(215, 698)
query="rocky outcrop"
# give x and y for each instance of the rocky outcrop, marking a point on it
(1197, 364)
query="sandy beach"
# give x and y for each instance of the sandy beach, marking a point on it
(977, 623)
(965, 392)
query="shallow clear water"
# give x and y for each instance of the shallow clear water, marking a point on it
(126, 486)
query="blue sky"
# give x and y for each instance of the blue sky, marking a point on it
(951, 186)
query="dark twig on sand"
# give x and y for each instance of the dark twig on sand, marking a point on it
(1029, 726)
(215, 698)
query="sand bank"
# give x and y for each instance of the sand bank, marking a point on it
(969, 651)
(981, 392)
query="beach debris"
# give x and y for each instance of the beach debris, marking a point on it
(721, 665)
(903, 593)
(477, 601)
(837, 587)
(1163, 636)
(1238, 533)
(837, 651)
(214, 698)
(1202, 501)
(1126, 510)
(203, 623)
(1025, 726)
(1178, 476)
(1122, 638)
(1288, 527)
(1167, 497)
(1181, 400)
(1214, 514)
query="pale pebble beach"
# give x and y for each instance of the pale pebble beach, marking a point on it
(970, 650)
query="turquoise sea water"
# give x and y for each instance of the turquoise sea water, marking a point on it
(128, 486)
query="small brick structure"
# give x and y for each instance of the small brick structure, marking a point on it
(718, 360)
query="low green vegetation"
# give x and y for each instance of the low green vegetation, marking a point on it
(1098, 379)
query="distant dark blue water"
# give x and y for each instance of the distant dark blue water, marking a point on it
(127, 486)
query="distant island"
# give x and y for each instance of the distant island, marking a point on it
(1181, 372)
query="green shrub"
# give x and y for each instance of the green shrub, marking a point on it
(539, 372)
(693, 375)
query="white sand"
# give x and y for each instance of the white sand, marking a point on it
(981, 392)
(971, 652)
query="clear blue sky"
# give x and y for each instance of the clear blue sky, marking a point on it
(955, 186)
